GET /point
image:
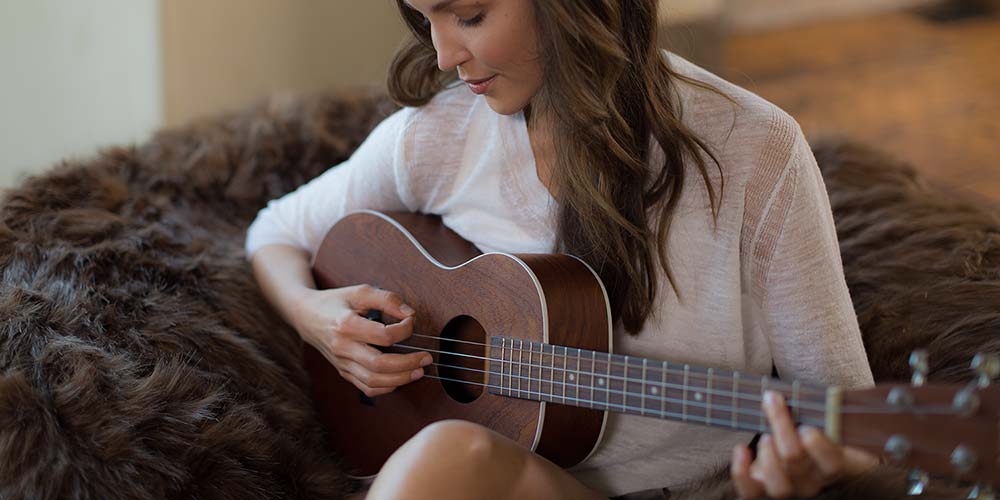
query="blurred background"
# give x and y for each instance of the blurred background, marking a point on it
(917, 78)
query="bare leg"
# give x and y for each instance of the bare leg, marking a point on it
(455, 459)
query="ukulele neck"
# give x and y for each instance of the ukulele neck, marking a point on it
(650, 388)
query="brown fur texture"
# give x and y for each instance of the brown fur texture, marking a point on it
(139, 360)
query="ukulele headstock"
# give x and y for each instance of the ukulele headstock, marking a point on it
(949, 430)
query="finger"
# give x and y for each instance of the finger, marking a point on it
(786, 440)
(366, 297)
(377, 380)
(739, 469)
(769, 470)
(369, 391)
(858, 461)
(373, 332)
(827, 455)
(387, 362)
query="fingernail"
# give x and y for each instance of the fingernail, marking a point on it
(807, 431)
(406, 309)
(773, 399)
(426, 361)
(419, 372)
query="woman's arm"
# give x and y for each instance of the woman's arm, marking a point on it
(806, 308)
(813, 334)
(283, 274)
(368, 179)
(289, 231)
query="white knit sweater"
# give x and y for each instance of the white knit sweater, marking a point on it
(765, 285)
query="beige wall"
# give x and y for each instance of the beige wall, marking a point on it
(75, 76)
(222, 54)
(753, 15)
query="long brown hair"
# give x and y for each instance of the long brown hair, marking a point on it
(608, 88)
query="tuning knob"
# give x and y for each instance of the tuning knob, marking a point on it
(898, 447)
(918, 480)
(918, 363)
(987, 366)
(982, 492)
(963, 459)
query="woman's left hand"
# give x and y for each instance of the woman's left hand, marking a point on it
(793, 463)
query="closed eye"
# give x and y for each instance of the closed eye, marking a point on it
(472, 21)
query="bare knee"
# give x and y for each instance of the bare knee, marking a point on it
(449, 454)
(464, 442)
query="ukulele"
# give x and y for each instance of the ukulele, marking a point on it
(522, 345)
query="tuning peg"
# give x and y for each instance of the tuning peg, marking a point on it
(982, 492)
(963, 459)
(898, 447)
(918, 363)
(987, 366)
(918, 480)
(966, 402)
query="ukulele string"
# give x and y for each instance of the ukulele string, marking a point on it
(805, 390)
(730, 410)
(753, 397)
(687, 417)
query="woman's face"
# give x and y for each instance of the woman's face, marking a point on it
(492, 40)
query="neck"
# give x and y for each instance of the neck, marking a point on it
(537, 117)
(638, 386)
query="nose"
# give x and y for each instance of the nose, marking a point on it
(451, 52)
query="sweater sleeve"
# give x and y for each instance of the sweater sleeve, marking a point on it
(807, 310)
(368, 179)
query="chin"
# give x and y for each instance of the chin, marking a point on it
(504, 107)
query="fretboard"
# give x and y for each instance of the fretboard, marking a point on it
(639, 386)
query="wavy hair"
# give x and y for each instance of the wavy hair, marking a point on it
(609, 90)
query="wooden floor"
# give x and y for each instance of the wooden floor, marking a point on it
(926, 91)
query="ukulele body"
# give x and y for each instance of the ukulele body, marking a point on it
(464, 297)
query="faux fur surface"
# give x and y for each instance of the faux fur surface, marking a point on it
(138, 359)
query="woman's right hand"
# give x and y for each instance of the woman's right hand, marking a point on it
(333, 322)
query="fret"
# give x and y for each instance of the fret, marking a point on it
(736, 401)
(763, 388)
(684, 398)
(510, 368)
(643, 387)
(576, 375)
(625, 386)
(663, 390)
(520, 352)
(607, 384)
(565, 368)
(631, 393)
(795, 402)
(552, 370)
(593, 370)
(532, 380)
(540, 379)
(503, 354)
(708, 397)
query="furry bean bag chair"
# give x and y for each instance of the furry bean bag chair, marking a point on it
(139, 360)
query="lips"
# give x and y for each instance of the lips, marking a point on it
(472, 81)
(480, 86)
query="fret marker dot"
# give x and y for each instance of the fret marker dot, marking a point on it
(571, 377)
(698, 396)
(653, 390)
(600, 381)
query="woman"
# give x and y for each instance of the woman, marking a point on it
(542, 126)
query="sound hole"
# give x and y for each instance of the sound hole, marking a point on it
(462, 340)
